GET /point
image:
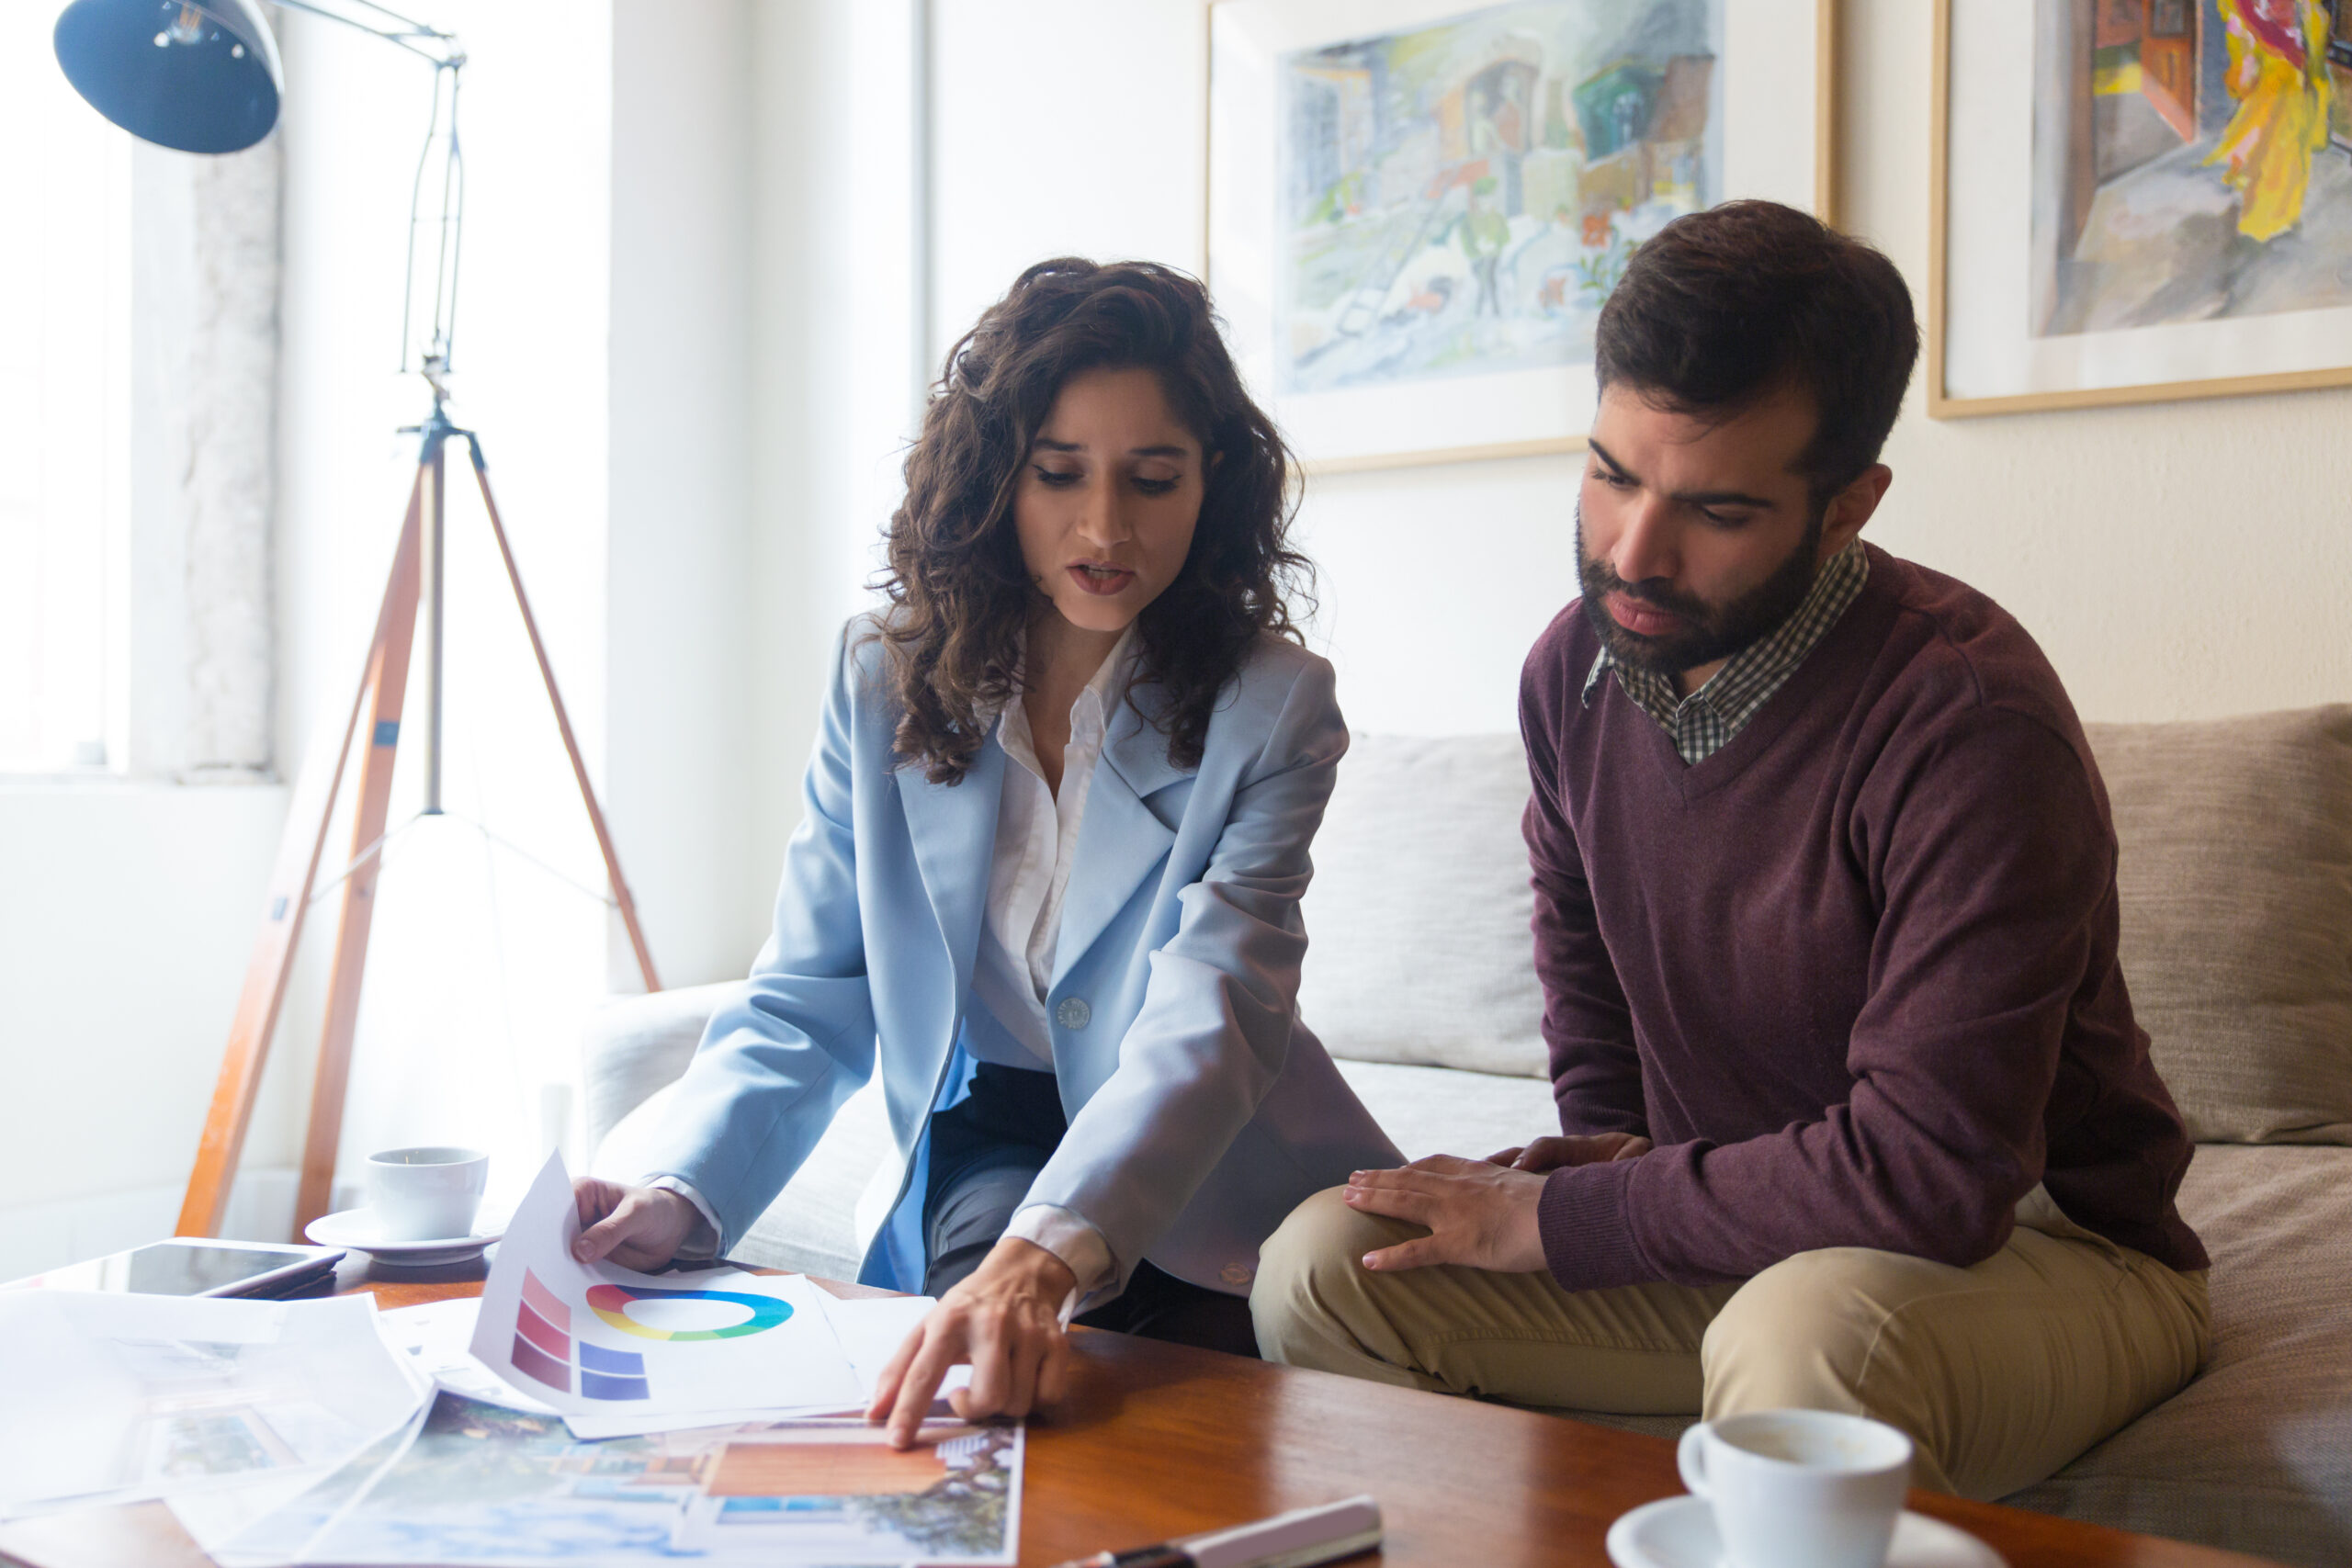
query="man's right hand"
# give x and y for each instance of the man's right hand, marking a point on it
(637, 1227)
(1551, 1154)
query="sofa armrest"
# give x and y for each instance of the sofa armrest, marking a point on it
(633, 1045)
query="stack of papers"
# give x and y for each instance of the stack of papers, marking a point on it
(591, 1414)
(572, 1415)
(229, 1405)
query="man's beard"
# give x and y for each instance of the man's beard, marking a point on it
(1709, 632)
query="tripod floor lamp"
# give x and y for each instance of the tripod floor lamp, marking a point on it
(205, 77)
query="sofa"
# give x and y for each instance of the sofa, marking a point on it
(2236, 874)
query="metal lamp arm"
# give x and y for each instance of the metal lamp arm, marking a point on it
(443, 229)
(420, 38)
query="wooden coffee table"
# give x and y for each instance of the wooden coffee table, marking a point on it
(1158, 1441)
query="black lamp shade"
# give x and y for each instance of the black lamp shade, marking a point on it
(203, 78)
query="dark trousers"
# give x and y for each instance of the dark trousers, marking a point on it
(985, 1152)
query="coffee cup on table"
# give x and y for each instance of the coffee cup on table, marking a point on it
(426, 1193)
(1799, 1488)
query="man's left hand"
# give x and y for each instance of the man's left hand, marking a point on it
(1478, 1214)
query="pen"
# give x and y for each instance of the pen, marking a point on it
(1297, 1539)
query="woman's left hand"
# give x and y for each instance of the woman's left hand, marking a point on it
(1005, 1319)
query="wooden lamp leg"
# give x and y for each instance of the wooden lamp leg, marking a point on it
(387, 666)
(290, 881)
(627, 905)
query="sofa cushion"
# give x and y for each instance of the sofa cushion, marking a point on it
(1434, 1111)
(1417, 919)
(2256, 1453)
(633, 1045)
(2234, 869)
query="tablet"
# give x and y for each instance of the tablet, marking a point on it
(194, 1265)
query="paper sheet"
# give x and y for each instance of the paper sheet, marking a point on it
(481, 1484)
(275, 1537)
(117, 1397)
(603, 1340)
(434, 1340)
(870, 1332)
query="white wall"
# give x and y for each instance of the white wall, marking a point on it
(127, 905)
(126, 911)
(679, 606)
(2176, 559)
(1061, 128)
(836, 330)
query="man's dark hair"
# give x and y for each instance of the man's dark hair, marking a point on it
(1724, 306)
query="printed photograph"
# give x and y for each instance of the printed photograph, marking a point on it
(482, 1483)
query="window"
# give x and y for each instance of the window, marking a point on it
(65, 399)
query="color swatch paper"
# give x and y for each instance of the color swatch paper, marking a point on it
(599, 1339)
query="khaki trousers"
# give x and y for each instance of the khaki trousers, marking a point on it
(2000, 1373)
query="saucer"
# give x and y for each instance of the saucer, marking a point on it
(1680, 1533)
(355, 1228)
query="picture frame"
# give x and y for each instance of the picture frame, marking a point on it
(2091, 238)
(1415, 208)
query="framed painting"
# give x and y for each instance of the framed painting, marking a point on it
(1417, 208)
(2137, 200)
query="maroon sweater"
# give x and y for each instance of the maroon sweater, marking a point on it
(1855, 974)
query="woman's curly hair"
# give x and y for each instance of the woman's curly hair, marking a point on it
(959, 594)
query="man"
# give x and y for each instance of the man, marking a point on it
(1854, 1114)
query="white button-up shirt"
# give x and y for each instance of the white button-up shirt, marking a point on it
(1036, 835)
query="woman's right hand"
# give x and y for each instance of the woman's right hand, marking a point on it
(637, 1227)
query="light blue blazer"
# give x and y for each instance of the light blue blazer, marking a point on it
(1201, 1111)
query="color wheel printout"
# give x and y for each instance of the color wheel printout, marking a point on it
(596, 1340)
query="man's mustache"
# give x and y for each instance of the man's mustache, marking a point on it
(1600, 578)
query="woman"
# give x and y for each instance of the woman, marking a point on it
(2278, 74)
(1046, 882)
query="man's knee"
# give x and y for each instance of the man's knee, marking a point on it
(1835, 1330)
(1803, 1332)
(1310, 1273)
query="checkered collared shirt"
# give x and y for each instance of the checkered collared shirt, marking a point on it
(1703, 723)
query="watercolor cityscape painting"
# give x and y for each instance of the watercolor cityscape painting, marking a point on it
(1461, 197)
(2192, 161)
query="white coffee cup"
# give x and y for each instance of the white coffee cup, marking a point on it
(1799, 1488)
(425, 1193)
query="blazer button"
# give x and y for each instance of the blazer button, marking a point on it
(1073, 1013)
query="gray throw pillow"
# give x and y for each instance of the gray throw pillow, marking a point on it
(2234, 869)
(1418, 947)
